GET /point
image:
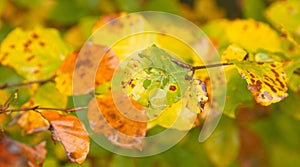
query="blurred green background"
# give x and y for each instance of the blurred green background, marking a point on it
(258, 136)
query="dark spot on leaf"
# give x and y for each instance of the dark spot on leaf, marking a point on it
(273, 65)
(12, 46)
(132, 85)
(172, 88)
(272, 88)
(35, 36)
(281, 84)
(260, 63)
(252, 80)
(252, 76)
(276, 74)
(30, 58)
(42, 43)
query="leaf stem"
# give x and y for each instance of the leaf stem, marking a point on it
(5, 86)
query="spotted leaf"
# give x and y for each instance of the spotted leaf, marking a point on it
(34, 54)
(85, 65)
(71, 133)
(266, 81)
(124, 128)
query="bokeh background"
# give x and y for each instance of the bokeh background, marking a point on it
(258, 136)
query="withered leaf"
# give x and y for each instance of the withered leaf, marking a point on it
(266, 81)
(80, 68)
(71, 133)
(15, 154)
(124, 128)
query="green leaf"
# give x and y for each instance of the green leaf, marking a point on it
(237, 94)
(48, 96)
(34, 54)
(254, 9)
(287, 14)
(71, 11)
(223, 146)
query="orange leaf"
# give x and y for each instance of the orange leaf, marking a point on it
(71, 133)
(13, 153)
(86, 65)
(120, 130)
(32, 122)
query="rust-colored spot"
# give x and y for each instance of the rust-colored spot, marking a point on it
(260, 63)
(252, 76)
(172, 87)
(12, 46)
(30, 58)
(35, 36)
(258, 84)
(252, 80)
(272, 88)
(42, 43)
(281, 84)
(273, 65)
(4, 56)
(132, 85)
(276, 74)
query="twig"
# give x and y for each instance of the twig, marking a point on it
(36, 108)
(194, 68)
(5, 86)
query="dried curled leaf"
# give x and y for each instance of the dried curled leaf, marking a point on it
(34, 54)
(15, 154)
(71, 133)
(266, 81)
(125, 129)
(85, 68)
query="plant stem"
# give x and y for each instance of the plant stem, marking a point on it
(36, 108)
(194, 68)
(5, 86)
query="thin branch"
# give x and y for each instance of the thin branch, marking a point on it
(194, 68)
(211, 66)
(5, 86)
(36, 108)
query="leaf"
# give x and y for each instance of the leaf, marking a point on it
(124, 128)
(222, 147)
(266, 81)
(237, 94)
(71, 133)
(13, 153)
(46, 96)
(85, 68)
(151, 75)
(248, 34)
(286, 14)
(32, 122)
(34, 54)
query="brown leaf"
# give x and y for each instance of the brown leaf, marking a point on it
(71, 133)
(125, 129)
(87, 66)
(15, 154)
